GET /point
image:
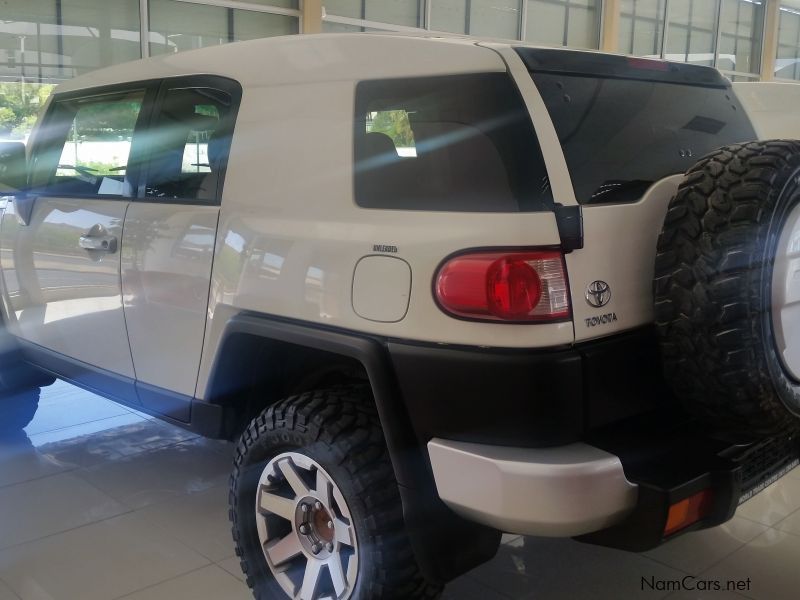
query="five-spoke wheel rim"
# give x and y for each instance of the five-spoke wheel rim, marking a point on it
(305, 529)
(786, 294)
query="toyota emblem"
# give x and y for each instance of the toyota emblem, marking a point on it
(598, 294)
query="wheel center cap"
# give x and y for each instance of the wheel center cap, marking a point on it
(315, 528)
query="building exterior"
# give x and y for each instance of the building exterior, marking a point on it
(47, 41)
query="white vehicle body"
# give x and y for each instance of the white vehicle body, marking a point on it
(140, 298)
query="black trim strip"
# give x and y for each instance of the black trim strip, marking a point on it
(595, 64)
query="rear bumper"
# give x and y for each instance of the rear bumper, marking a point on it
(565, 491)
(616, 491)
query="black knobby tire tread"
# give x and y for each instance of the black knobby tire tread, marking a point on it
(708, 284)
(345, 416)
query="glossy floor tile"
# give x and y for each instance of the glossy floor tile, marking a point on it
(208, 582)
(99, 502)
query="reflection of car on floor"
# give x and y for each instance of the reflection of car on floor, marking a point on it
(485, 288)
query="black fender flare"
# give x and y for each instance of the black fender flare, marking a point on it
(445, 544)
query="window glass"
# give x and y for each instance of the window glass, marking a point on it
(189, 144)
(741, 25)
(85, 146)
(456, 143)
(641, 27)
(620, 135)
(396, 12)
(45, 40)
(330, 27)
(573, 23)
(97, 33)
(546, 22)
(787, 65)
(177, 26)
(396, 125)
(449, 15)
(691, 31)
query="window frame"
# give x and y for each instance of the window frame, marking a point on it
(140, 157)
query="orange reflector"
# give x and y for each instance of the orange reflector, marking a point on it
(688, 511)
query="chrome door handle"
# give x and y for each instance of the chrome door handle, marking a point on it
(101, 243)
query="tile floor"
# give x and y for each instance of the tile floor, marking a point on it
(99, 502)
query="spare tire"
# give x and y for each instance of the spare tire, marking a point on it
(727, 288)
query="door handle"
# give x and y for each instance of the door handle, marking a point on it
(101, 243)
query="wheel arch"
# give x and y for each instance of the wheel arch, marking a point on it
(433, 528)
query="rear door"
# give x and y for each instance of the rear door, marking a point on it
(170, 232)
(628, 129)
(61, 245)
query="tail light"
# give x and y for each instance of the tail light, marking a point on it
(505, 286)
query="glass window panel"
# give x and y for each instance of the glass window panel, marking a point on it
(190, 144)
(90, 140)
(787, 65)
(495, 18)
(98, 33)
(177, 26)
(741, 26)
(409, 129)
(328, 27)
(583, 27)
(449, 15)
(29, 38)
(546, 22)
(642, 27)
(395, 12)
(295, 4)
(344, 8)
(249, 25)
(691, 32)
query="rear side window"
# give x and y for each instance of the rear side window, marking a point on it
(620, 135)
(86, 146)
(189, 143)
(455, 143)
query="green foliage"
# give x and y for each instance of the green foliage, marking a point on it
(107, 120)
(20, 105)
(395, 124)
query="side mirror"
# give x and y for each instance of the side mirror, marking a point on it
(13, 167)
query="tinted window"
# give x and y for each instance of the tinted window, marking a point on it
(458, 143)
(189, 143)
(85, 145)
(621, 135)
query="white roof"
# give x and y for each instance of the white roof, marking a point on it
(303, 58)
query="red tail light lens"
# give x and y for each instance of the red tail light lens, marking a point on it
(502, 286)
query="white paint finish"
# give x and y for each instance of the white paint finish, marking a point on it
(620, 249)
(773, 107)
(300, 59)
(167, 252)
(786, 294)
(271, 257)
(381, 288)
(61, 296)
(556, 492)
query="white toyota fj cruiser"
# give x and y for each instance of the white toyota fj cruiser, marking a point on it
(437, 289)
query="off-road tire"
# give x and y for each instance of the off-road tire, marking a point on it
(712, 287)
(17, 409)
(340, 430)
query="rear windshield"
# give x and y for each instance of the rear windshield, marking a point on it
(620, 135)
(454, 143)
